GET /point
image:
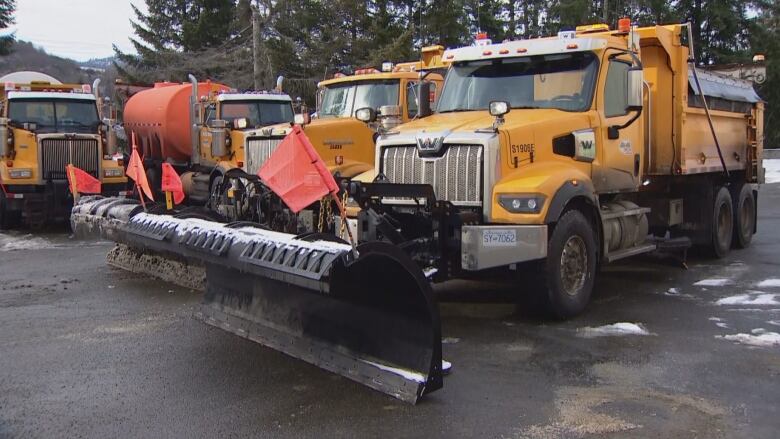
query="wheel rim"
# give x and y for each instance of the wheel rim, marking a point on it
(724, 224)
(574, 263)
(746, 217)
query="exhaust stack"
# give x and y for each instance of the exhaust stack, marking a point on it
(194, 129)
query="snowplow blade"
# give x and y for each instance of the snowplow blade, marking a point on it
(370, 318)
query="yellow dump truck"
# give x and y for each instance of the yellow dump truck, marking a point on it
(552, 156)
(45, 125)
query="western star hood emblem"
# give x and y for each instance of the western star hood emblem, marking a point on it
(429, 143)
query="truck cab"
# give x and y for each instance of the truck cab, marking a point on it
(45, 126)
(345, 143)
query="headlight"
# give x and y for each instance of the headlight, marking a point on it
(20, 173)
(521, 203)
(113, 172)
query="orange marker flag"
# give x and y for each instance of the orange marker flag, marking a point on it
(135, 171)
(296, 173)
(172, 183)
(81, 182)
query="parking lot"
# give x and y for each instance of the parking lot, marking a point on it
(90, 351)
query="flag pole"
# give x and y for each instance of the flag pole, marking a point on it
(138, 186)
(343, 214)
(73, 187)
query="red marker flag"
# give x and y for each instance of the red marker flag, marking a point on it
(296, 173)
(81, 182)
(172, 183)
(135, 171)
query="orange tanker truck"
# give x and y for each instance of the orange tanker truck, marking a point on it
(202, 129)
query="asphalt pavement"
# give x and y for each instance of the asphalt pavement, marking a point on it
(91, 351)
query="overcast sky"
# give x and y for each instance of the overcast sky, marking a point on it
(78, 29)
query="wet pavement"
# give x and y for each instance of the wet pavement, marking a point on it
(90, 351)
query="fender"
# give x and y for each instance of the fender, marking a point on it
(567, 192)
(557, 181)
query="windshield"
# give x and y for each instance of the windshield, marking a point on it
(341, 100)
(562, 81)
(55, 115)
(258, 113)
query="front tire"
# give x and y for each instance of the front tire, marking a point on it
(569, 270)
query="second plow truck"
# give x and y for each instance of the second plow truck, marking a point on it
(44, 126)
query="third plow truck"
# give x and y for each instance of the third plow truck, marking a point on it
(544, 158)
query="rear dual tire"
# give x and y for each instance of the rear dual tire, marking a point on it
(744, 216)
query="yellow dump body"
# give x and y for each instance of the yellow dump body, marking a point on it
(680, 138)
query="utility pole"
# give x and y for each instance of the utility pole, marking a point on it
(258, 82)
(605, 17)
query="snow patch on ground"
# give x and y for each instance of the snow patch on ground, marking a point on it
(715, 282)
(11, 242)
(774, 322)
(769, 283)
(751, 298)
(772, 170)
(672, 291)
(615, 329)
(758, 337)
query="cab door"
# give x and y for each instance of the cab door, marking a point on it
(621, 151)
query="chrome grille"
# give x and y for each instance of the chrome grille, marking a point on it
(258, 150)
(456, 176)
(56, 153)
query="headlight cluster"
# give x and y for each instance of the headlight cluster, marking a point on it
(20, 173)
(522, 203)
(113, 172)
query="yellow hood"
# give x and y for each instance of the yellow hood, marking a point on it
(481, 119)
(346, 145)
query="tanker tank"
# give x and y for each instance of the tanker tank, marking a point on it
(160, 119)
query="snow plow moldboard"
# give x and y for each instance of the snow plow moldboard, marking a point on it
(371, 318)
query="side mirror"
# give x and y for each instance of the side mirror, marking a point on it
(5, 147)
(634, 98)
(424, 99)
(365, 114)
(111, 139)
(218, 137)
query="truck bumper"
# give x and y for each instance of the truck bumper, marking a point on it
(53, 198)
(495, 246)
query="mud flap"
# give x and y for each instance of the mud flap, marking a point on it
(373, 320)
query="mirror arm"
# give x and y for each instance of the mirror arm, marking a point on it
(613, 132)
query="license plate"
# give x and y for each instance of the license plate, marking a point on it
(499, 238)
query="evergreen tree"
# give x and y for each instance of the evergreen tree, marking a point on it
(7, 8)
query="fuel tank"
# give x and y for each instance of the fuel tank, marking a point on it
(160, 119)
